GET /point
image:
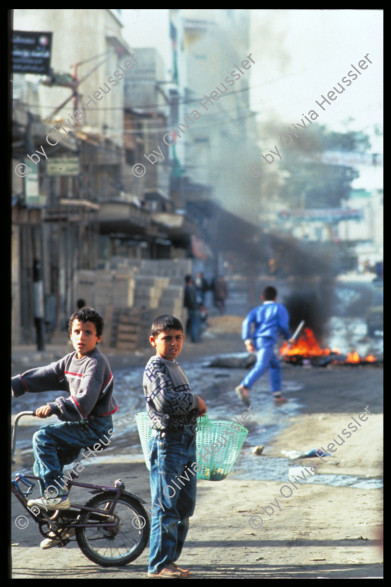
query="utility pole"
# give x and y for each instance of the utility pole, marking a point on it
(39, 306)
(71, 81)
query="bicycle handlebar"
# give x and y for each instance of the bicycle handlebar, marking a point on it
(16, 421)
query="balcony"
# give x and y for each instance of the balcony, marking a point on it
(116, 216)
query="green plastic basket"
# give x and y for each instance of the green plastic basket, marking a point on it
(218, 445)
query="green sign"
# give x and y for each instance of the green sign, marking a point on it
(62, 166)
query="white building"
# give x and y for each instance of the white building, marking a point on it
(86, 45)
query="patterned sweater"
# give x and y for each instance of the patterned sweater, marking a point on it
(170, 402)
(88, 381)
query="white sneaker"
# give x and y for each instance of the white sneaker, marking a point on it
(61, 502)
(278, 397)
(242, 393)
(54, 540)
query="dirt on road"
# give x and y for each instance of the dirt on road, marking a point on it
(257, 529)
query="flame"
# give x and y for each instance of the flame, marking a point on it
(354, 357)
(307, 346)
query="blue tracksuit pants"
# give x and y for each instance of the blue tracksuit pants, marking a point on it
(266, 360)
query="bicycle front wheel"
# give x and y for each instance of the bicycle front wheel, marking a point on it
(116, 538)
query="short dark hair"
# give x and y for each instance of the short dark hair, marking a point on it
(164, 322)
(87, 314)
(269, 293)
(80, 303)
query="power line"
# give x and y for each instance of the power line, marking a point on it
(184, 101)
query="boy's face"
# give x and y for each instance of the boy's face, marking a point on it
(168, 344)
(84, 338)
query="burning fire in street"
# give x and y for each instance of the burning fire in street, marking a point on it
(354, 357)
(308, 348)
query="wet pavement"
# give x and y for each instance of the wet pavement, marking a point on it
(346, 331)
(221, 543)
(329, 390)
(216, 385)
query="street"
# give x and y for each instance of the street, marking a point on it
(331, 528)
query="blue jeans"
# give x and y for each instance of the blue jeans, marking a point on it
(266, 360)
(194, 325)
(173, 500)
(55, 445)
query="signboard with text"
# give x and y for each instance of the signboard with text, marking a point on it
(31, 51)
(62, 166)
(322, 214)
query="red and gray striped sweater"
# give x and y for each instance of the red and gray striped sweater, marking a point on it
(88, 381)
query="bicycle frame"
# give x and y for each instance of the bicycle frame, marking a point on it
(111, 529)
(42, 516)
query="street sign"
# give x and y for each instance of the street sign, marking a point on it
(31, 52)
(322, 214)
(347, 159)
(62, 166)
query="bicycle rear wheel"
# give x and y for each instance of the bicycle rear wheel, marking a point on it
(118, 544)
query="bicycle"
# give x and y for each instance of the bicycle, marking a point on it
(111, 529)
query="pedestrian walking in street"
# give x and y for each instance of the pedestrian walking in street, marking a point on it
(220, 292)
(202, 287)
(173, 411)
(193, 323)
(260, 331)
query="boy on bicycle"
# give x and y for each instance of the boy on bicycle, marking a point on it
(173, 411)
(85, 413)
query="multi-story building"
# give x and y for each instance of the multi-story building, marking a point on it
(77, 133)
(67, 153)
(219, 65)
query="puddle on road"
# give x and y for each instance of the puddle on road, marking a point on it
(216, 385)
(251, 467)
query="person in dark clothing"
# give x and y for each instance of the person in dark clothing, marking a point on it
(193, 323)
(220, 292)
(202, 287)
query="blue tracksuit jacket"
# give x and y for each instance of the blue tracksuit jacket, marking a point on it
(264, 323)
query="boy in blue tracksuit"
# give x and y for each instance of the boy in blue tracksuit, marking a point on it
(260, 330)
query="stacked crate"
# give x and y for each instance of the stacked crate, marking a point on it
(123, 293)
(85, 286)
(103, 290)
(128, 329)
(148, 290)
(130, 294)
(171, 301)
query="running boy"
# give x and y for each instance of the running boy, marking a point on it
(85, 413)
(260, 330)
(173, 411)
